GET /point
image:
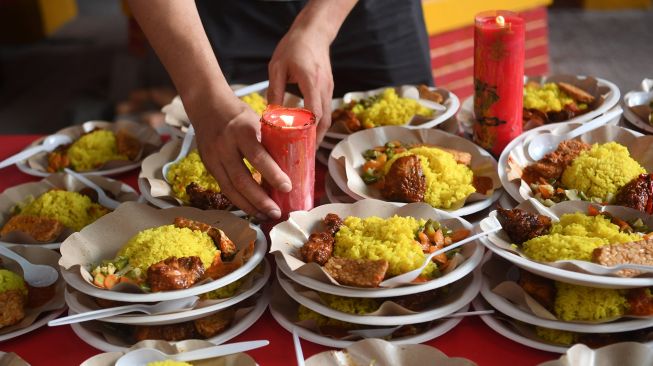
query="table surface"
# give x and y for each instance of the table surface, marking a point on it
(471, 339)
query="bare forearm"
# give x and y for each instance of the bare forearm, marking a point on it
(324, 17)
(176, 33)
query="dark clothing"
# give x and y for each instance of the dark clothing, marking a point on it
(381, 43)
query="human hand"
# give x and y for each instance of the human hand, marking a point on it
(302, 57)
(224, 137)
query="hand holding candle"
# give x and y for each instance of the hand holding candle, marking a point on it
(289, 134)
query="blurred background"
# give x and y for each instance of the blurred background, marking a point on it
(64, 62)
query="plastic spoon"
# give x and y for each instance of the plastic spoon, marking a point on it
(102, 197)
(143, 356)
(544, 143)
(158, 308)
(36, 275)
(299, 355)
(249, 89)
(185, 147)
(411, 275)
(49, 143)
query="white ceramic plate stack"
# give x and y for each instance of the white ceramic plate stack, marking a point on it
(296, 287)
(346, 160)
(634, 104)
(92, 244)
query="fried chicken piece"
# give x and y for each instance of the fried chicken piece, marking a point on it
(333, 223)
(206, 199)
(227, 247)
(12, 303)
(522, 226)
(576, 93)
(405, 181)
(637, 252)
(58, 159)
(42, 229)
(175, 273)
(541, 289)
(128, 145)
(318, 248)
(418, 301)
(347, 118)
(428, 94)
(357, 272)
(482, 185)
(168, 332)
(640, 302)
(637, 194)
(214, 324)
(554, 163)
(533, 118)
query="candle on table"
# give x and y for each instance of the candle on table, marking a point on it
(498, 79)
(289, 134)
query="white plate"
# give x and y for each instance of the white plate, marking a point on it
(439, 329)
(123, 187)
(75, 280)
(451, 104)
(37, 324)
(334, 193)
(466, 114)
(507, 331)
(635, 98)
(159, 319)
(508, 308)
(87, 127)
(520, 144)
(282, 239)
(339, 175)
(98, 341)
(461, 294)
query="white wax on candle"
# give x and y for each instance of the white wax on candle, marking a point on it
(288, 120)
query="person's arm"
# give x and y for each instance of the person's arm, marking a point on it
(302, 57)
(226, 128)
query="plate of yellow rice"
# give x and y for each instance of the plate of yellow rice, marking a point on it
(147, 237)
(451, 166)
(373, 230)
(573, 236)
(405, 105)
(94, 150)
(55, 198)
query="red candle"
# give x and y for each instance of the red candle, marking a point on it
(289, 134)
(498, 79)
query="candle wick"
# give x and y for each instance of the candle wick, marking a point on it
(501, 21)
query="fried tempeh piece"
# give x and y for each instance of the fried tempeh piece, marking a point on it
(226, 246)
(42, 229)
(12, 303)
(426, 93)
(637, 252)
(357, 272)
(576, 93)
(211, 325)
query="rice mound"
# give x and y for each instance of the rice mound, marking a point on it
(187, 170)
(256, 102)
(10, 281)
(306, 314)
(448, 184)
(602, 171)
(389, 110)
(392, 239)
(350, 305)
(72, 209)
(156, 244)
(546, 98)
(580, 303)
(556, 336)
(575, 236)
(94, 149)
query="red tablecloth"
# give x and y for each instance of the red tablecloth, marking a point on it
(471, 339)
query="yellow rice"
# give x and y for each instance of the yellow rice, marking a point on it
(304, 314)
(601, 171)
(94, 149)
(187, 170)
(580, 303)
(392, 239)
(390, 109)
(72, 209)
(256, 102)
(575, 236)
(350, 305)
(545, 98)
(556, 336)
(156, 244)
(11, 281)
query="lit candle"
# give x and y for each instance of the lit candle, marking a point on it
(498, 79)
(288, 134)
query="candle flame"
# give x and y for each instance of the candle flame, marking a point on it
(288, 120)
(501, 21)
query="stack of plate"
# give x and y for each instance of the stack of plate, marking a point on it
(297, 286)
(93, 244)
(517, 317)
